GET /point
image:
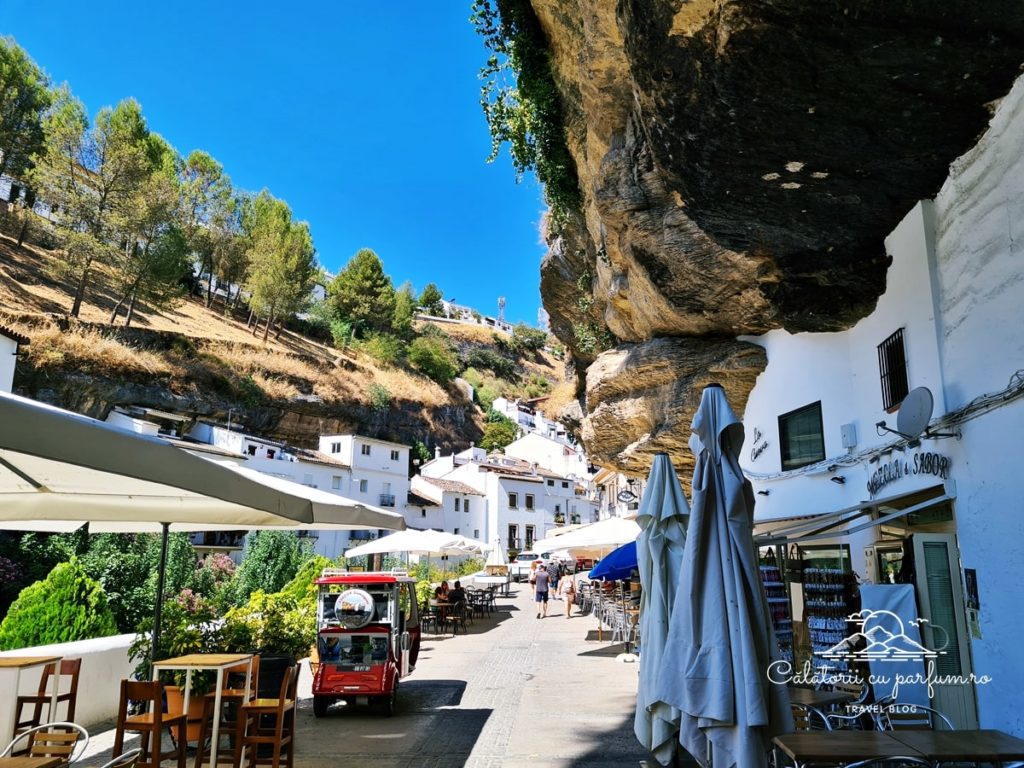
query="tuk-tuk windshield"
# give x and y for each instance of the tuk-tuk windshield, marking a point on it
(381, 595)
(355, 652)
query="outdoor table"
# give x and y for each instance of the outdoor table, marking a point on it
(218, 662)
(988, 746)
(838, 747)
(819, 699)
(16, 664)
(30, 762)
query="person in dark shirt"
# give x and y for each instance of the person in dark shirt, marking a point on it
(541, 594)
(457, 594)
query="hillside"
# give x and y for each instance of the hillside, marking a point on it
(199, 361)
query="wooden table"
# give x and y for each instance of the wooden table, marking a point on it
(836, 747)
(15, 664)
(30, 762)
(218, 662)
(819, 699)
(988, 746)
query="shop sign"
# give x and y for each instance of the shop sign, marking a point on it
(759, 445)
(921, 463)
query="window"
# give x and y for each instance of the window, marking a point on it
(529, 501)
(513, 501)
(465, 505)
(457, 503)
(335, 447)
(476, 533)
(558, 508)
(456, 531)
(394, 455)
(270, 453)
(551, 483)
(365, 450)
(801, 437)
(565, 484)
(530, 535)
(364, 486)
(423, 512)
(892, 368)
(513, 536)
(250, 450)
(336, 482)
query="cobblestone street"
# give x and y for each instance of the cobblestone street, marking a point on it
(513, 691)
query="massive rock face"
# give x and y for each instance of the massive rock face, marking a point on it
(741, 163)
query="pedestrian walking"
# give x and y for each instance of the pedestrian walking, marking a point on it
(554, 571)
(567, 589)
(540, 594)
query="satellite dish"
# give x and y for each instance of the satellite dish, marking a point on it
(915, 413)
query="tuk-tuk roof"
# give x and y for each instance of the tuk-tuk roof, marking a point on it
(339, 576)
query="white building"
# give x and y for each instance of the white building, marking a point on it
(9, 343)
(522, 501)
(462, 508)
(816, 444)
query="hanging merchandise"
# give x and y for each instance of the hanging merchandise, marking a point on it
(828, 601)
(778, 606)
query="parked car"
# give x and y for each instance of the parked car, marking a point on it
(519, 569)
(567, 562)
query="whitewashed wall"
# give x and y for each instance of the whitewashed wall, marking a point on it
(980, 234)
(104, 664)
(8, 357)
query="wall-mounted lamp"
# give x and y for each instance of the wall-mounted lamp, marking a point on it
(763, 493)
(874, 459)
(838, 479)
(832, 467)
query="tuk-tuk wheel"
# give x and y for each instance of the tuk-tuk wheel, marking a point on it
(320, 705)
(386, 703)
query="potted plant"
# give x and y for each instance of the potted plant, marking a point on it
(189, 625)
(279, 627)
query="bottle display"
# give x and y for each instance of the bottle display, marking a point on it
(827, 604)
(778, 607)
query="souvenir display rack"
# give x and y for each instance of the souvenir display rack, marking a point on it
(828, 601)
(778, 608)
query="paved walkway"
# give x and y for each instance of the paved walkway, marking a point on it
(514, 691)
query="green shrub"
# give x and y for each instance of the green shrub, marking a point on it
(65, 606)
(490, 360)
(384, 348)
(275, 624)
(530, 339)
(486, 395)
(499, 431)
(303, 587)
(380, 397)
(271, 561)
(473, 377)
(433, 357)
(188, 624)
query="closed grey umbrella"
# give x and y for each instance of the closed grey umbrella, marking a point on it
(659, 552)
(720, 642)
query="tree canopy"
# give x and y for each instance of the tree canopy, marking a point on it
(24, 98)
(363, 295)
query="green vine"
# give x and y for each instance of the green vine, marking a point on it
(521, 101)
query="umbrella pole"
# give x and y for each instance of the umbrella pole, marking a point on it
(161, 570)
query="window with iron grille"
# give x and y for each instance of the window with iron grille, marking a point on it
(801, 436)
(892, 367)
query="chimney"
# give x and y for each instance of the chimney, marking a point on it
(533, 468)
(437, 451)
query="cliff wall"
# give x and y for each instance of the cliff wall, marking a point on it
(740, 164)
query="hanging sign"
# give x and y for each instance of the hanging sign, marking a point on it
(920, 463)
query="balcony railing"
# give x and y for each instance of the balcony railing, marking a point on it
(387, 500)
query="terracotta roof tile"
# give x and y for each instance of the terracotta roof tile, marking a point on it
(453, 486)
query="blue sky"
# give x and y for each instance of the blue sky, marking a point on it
(364, 117)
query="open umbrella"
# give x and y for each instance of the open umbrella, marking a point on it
(663, 515)
(602, 536)
(427, 542)
(617, 565)
(62, 469)
(720, 642)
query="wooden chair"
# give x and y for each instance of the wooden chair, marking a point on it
(232, 697)
(65, 741)
(149, 724)
(33, 715)
(127, 760)
(270, 723)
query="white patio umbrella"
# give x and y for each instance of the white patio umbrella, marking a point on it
(602, 536)
(427, 542)
(59, 470)
(659, 548)
(720, 642)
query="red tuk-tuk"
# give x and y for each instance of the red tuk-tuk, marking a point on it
(368, 638)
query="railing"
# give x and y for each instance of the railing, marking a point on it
(387, 500)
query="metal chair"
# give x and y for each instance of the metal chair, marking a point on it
(893, 716)
(890, 762)
(69, 668)
(127, 759)
(456, 617)
(149, 724)
(63, 740)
